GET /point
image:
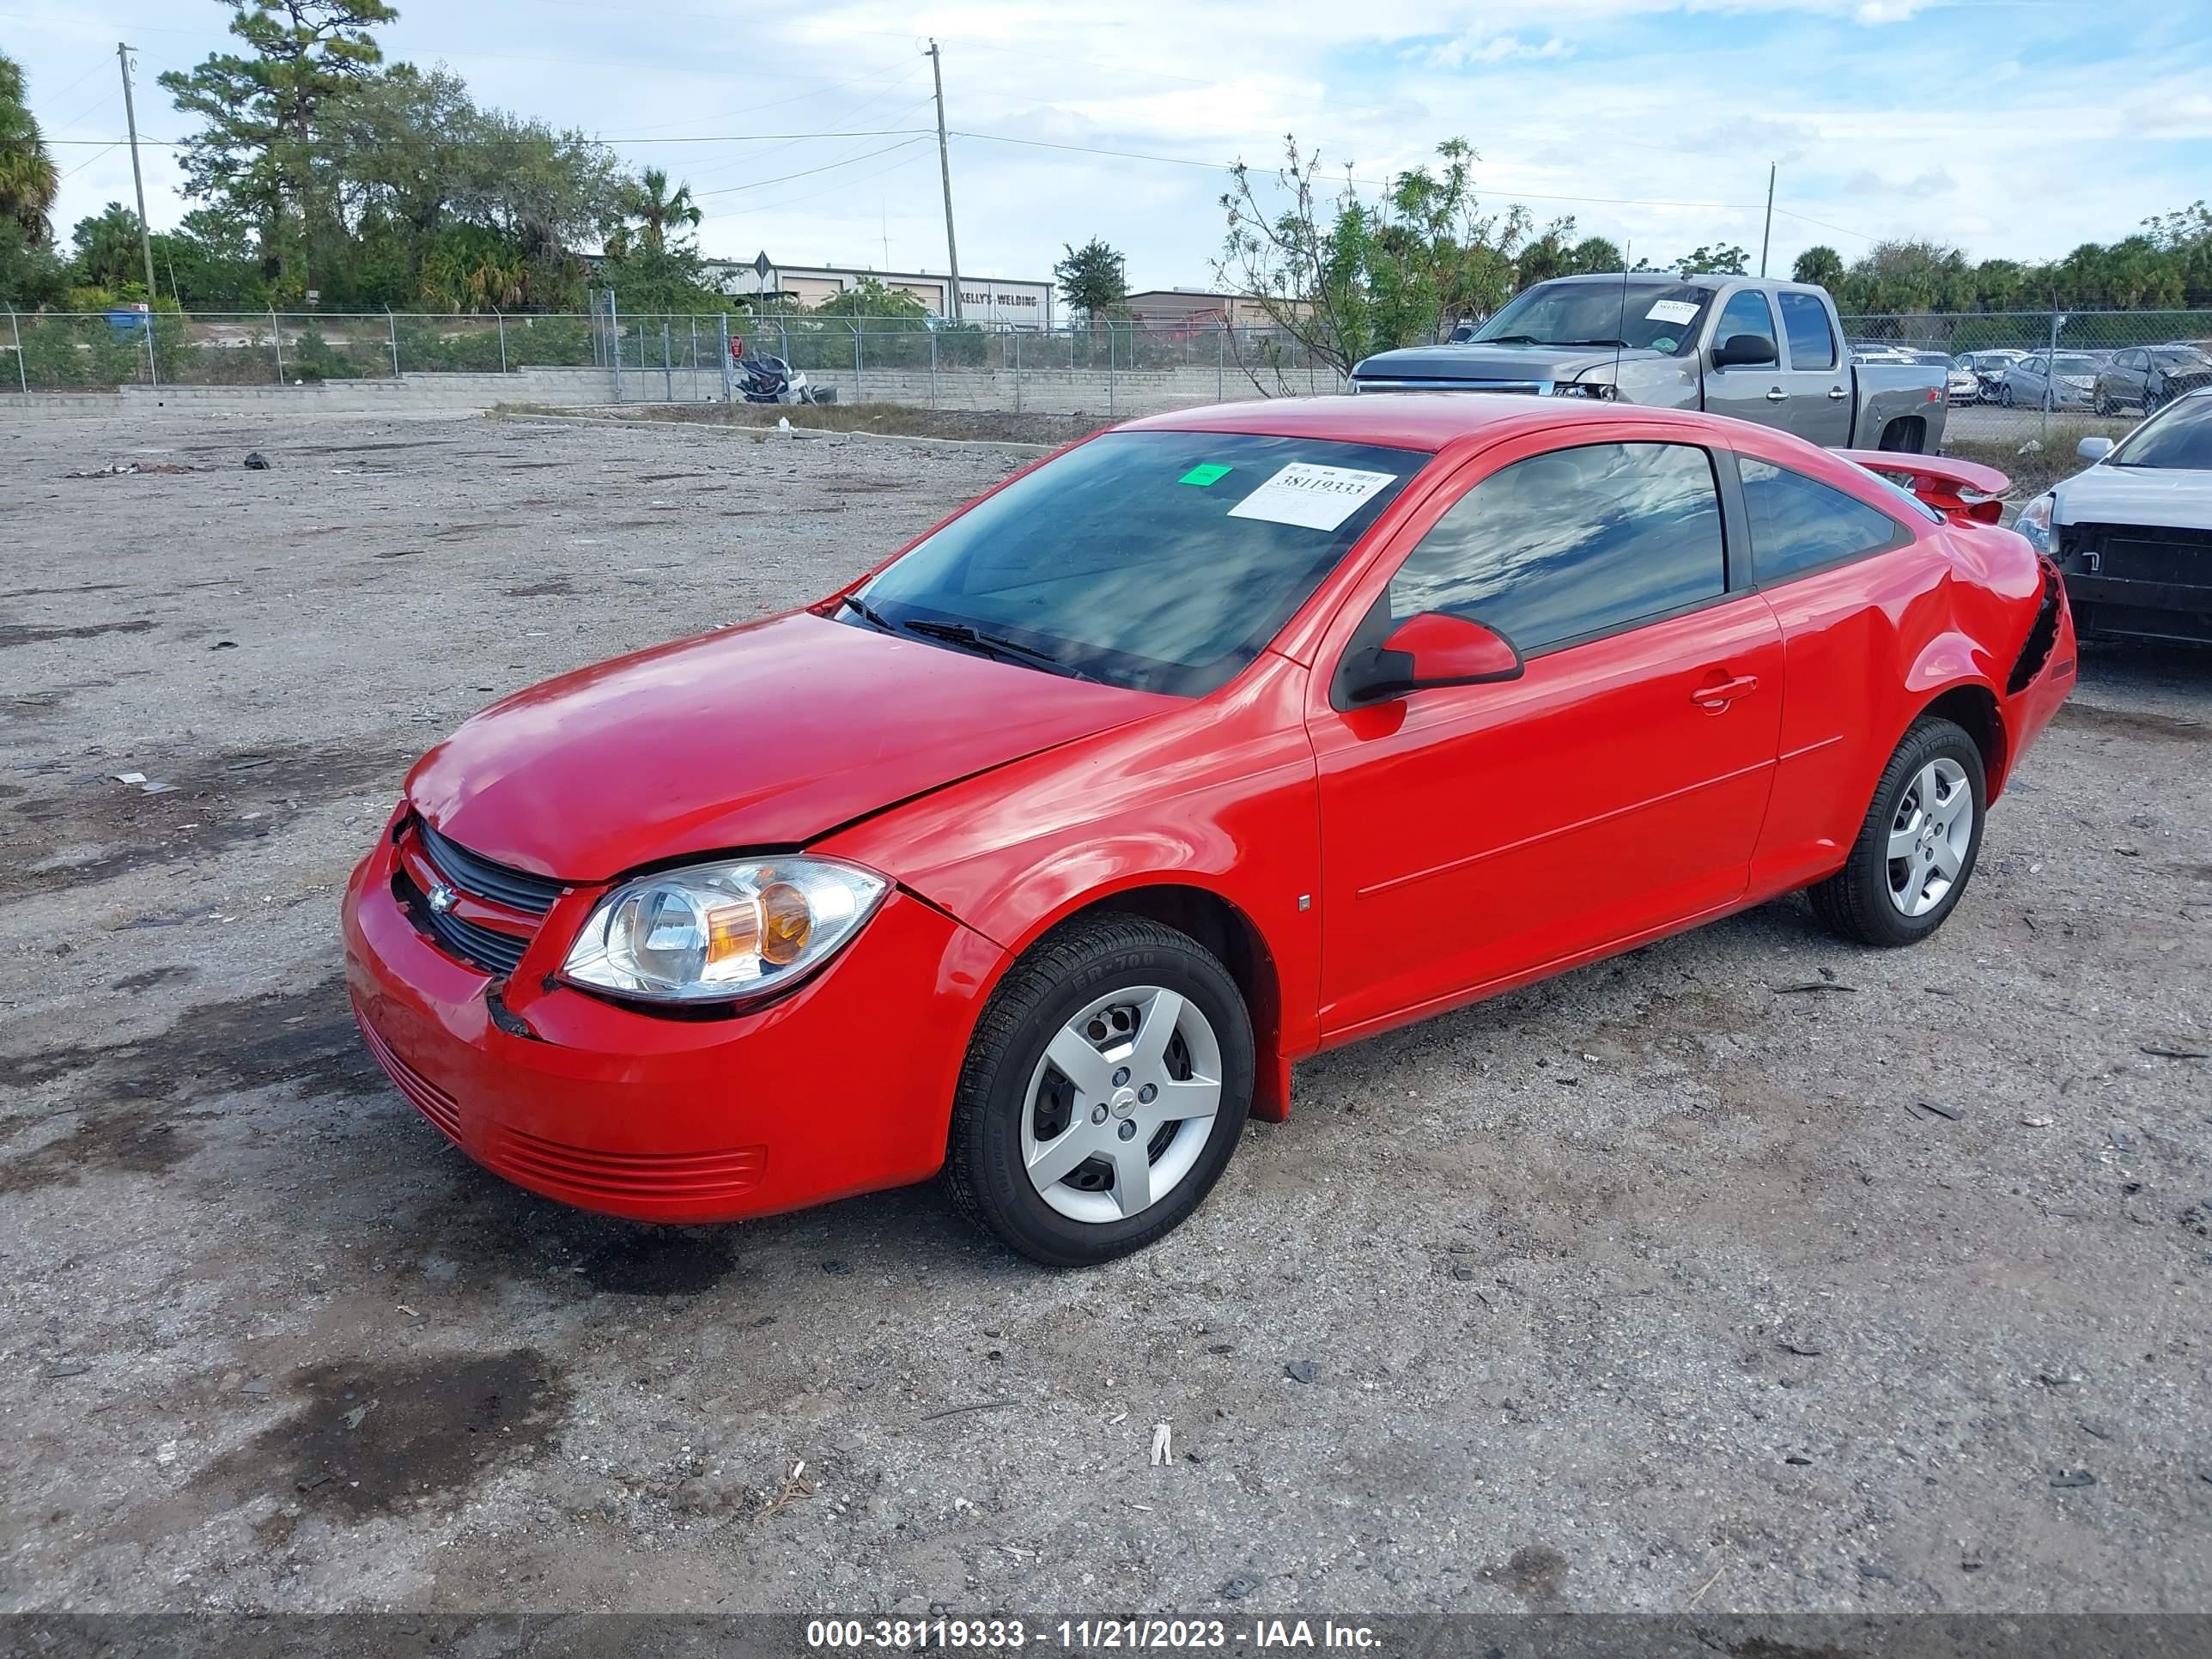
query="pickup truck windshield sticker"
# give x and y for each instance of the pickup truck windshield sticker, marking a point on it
(1672, 311)
(1211, 472)
(1314, 497)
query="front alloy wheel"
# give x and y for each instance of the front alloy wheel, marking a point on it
(1121, 1104)
(1104, 1090)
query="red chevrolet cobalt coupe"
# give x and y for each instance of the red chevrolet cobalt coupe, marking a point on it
(1039, 854)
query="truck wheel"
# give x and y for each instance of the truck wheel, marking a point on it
(1105, 1087)
(1916, 850)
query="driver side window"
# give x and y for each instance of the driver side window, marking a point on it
(1565, 546)
(1747, 313)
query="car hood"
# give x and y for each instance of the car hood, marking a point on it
(2171, 497)
(1476, 361)
(766, 735)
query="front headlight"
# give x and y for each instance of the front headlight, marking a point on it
(715, 932)
(1582, 389)
(2034, 522)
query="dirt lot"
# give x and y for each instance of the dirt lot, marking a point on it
(1749, 1269)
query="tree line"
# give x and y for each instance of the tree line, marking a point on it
(321, 175)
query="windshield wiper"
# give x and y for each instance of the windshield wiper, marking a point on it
(975, 639)
(869, 613)
(1610, 343)
(1507, 339)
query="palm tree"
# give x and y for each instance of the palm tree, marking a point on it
(658, 209)
(28, 182)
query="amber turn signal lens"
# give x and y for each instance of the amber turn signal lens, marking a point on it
(732, 930)
(787, 923)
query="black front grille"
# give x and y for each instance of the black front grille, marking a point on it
(479, 878)
(470, 942)
(2148, 553)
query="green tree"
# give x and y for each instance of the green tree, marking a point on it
(1342, 277)
(1820, 265)
(263, 115)
(1725, 260)
(110, 254)
(1093, 278)
(655, 280)
(28, 181)
(658, 210)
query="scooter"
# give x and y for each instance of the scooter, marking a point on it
(772, 381)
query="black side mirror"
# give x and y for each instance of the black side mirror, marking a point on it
(1428, 650)
(1743, 351)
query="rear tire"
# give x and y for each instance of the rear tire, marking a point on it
(1068, 1068)
(1916, 850)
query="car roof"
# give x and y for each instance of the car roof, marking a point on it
(1414, 420)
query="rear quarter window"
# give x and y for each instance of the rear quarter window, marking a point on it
(1799, 524)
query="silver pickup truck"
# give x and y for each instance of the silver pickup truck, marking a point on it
(1763, 351)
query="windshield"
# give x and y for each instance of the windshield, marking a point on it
(1647, 316)
(2075, 365)
(2180, 436)
(1159, 561)
(2180, 357)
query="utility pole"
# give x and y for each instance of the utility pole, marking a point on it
(138, 178)
(945, 168)
(1766, 236)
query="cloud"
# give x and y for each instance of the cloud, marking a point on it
(1494, 49)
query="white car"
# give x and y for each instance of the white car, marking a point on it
(2132, 536)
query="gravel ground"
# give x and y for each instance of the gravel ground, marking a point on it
(1750, 1270)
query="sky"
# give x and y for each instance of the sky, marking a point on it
(2019, 128)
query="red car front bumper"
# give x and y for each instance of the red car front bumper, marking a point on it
(843, 1087)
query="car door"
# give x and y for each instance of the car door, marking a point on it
(1748, 392)
(1841, 576)
(1472, 834)
(2124, 378)
(1814, 374)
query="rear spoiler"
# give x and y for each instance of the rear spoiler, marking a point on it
(1964, 492)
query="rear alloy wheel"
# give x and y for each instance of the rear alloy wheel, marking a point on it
(1104, 1093)
(1916, 850)
(2151, 403)
(2004, 396)
(2106, 408)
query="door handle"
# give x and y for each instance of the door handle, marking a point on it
(1715, 697)
(1836, 394)
(1778, 396)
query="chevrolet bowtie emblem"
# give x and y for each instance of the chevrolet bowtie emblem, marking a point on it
(443, 898)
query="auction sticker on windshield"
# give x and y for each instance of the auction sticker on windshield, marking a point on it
(1314, 497)
(1672, 311)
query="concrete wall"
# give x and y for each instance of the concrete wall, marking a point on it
(1057, 392)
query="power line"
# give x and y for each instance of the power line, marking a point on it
(827, 166)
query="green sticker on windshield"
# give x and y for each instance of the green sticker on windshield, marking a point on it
(1203, 476)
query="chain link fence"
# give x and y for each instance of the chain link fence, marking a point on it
(2046, 375)
(611, 355)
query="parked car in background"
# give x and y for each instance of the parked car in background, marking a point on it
(1772, 353)
(2133, 535)
(1988, 366)
(2146, 377)
(1962, 384)
(1040, 851)
(2069, 380)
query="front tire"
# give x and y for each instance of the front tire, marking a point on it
(1104, 1090)
(1915, 852)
